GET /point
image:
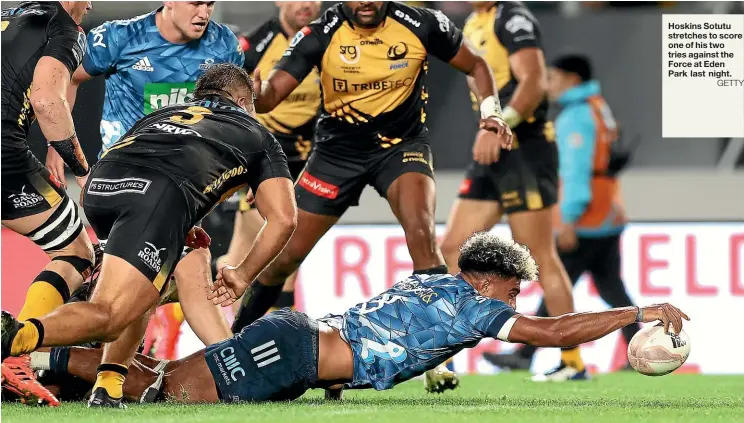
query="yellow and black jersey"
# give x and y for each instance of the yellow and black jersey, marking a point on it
(372, 79)
(499, 32)
(292, 121)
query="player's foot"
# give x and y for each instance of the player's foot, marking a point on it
(562, 373)
(20, 379)
(511, 361)
(152, 391)
(440, 379)
(10, 327)
(101, 398)
(334, 394)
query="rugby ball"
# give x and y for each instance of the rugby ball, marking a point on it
(654, 353)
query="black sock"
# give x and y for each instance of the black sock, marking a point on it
(286, 299)
(58, 359)
(257, 300)
(438, 270)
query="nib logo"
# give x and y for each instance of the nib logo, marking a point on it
(318, 187)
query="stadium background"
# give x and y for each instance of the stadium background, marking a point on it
(684, 196)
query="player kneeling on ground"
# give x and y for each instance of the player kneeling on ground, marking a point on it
(405, 331)
(145, 195)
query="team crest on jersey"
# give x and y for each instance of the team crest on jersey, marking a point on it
(207, 64)
(519, 23)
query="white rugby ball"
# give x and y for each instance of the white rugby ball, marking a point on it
(654, 353)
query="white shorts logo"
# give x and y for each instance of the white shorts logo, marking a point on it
(25, 200)
(108, 187)
(150, 255)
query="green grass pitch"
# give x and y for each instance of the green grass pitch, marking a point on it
(619, 397)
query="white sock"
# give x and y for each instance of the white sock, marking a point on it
(40, 360)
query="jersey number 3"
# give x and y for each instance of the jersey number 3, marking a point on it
(190, 116)
(388, 351)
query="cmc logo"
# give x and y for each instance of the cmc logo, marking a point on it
(231, 363)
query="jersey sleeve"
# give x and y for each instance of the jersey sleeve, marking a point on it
(488, 316)
(66, 43)
(305, 52)
(273, 164)
(236, 56)
(517, 29)
(444, 38)
(252, 55)
(103, 49)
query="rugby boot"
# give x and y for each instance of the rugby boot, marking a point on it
(511, 361)
(440, 379)
(19, 379)
(10, 327)
(153, 391)
(562, 373)
(101, 398)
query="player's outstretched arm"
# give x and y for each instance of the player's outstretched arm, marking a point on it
(49, 101)
(273, 91)
(577, 328)
(275, 201)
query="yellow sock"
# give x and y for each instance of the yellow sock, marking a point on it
(112, 380)
(41, 299)
(25, 340)
(572, 358)
(177, 312)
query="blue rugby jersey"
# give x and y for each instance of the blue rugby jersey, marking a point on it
(414, 326)
(145, 72)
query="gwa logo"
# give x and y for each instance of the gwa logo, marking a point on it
(23, 199)
(150, 255)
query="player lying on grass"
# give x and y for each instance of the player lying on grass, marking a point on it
(405, 331)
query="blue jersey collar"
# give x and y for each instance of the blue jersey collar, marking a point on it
(580, 93)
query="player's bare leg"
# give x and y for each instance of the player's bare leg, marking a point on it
(186, 380)
(70, 263)
(118, 353)
(193, 276)
(466, 218)
(122, 295)
(262, 294)
(535, 230)
(412, 199)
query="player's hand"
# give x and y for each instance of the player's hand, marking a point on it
(56, 166)
(487, 147)
(198, 238)
(667, 314)
(567, 240)
(257, 83)
(498, 126)
(228, 287)
(82, 180)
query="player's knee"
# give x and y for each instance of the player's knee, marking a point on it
(450, 248)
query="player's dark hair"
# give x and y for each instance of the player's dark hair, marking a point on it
(224, 79)
(486, 253)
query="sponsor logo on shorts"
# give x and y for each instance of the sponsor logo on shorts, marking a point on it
(107, 187)
(318, 187)
(24, 200)
(150, 255)
(229, 366)
(465, 186)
